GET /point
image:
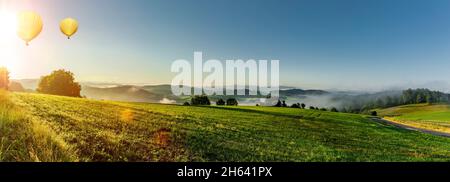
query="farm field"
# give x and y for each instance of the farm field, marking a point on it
(432, 117)
(36, 127)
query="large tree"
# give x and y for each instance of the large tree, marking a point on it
(4, 78)
(59, 82)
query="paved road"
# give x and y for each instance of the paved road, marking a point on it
(437, 133)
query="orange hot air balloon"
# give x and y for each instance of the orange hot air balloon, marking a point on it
(29, 25)
(69, 27)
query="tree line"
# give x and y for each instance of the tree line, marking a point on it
(204, 100)
(303, 106)
(409, 96)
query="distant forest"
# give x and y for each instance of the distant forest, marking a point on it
(365, 103)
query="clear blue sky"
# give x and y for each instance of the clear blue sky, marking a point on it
(340, 44)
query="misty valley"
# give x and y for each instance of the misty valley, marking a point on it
(344, 101)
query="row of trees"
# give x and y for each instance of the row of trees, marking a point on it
(302, 106)
(418, 96)
(204, 100)
(366, 103)
(409, 96)
(228, 102)
(298, 105)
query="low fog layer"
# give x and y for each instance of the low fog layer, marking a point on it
(326, 101)
(315, 98)
(167, 101)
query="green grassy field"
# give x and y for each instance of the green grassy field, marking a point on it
(433, 117)
(38, 127)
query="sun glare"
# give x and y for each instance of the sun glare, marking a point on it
(8, 52)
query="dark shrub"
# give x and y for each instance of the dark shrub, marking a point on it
(232, 102)
(200, 100)
(220, 102)
(374, 113)
(295, 105)
(279, 104)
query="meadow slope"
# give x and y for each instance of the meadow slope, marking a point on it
(54, 128)
(432, 117)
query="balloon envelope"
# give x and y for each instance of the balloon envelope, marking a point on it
(29, 25)
(69, 26)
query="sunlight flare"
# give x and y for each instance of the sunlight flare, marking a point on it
(8, 27)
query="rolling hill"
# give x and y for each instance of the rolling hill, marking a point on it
(162, 93)
(127, 93)
(37, 127)
(433, 117)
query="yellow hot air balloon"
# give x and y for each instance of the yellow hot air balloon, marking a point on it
(29, 25)
(69, 26)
